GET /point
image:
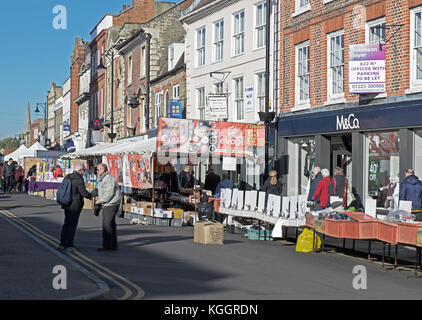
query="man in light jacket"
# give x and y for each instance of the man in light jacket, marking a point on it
(109, 197)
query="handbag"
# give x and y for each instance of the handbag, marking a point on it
(350, 197)
(97, 209)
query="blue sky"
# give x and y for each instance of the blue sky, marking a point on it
(33, 54)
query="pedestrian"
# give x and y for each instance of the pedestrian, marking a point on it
(186, 178)
(272, 185)
(19, 178)
(9, 175)
(226, 183)
(58, 172)
(73, 210)
(174, 180)
(340, 185)
(316, 171)
(109, 197)
(211, 180)
(411, 190)
(1, 177)
(321, 192)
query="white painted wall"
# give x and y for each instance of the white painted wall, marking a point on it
(249, 63)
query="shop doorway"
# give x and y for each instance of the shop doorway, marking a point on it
(341, 150)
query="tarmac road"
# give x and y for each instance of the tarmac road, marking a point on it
(164, 263)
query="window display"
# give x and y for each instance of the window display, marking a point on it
(383, 167)
(304, 149)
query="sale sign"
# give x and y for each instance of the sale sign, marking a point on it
(209, 137)
(367, 68)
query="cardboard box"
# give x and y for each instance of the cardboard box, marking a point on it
(177, 213)
(127, 208)
(50, 193)
(158, 213)
(208, 233)
(88, 204)
(148, 207)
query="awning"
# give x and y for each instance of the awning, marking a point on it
(89, 151)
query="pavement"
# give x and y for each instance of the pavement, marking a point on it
(163, 263)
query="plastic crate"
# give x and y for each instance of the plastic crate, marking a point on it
(387, 231)
(176, 222)
(368, 229)
(349, 230)
(407, 233)
(162, 222)
(333, 228)
(253, 234)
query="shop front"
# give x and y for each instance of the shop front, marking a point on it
(374, 145)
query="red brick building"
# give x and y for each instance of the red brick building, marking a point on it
(373, 137)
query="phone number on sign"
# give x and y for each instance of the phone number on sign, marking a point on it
(367, 87)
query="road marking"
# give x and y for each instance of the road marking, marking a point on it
(83, 259)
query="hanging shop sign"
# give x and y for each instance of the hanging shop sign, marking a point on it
(66, 127)
(209, 137)
(367, 68)
(217, 106)
(176, 109)
(98, 124)
(249, 98)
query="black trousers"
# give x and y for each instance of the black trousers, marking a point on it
(8, 184)
(109, 227)
(71, 219)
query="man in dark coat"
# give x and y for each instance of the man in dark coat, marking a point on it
(73, 210)
(211, 181)
(9, 175)
(314, 183)
(411, 190)
(186, 178)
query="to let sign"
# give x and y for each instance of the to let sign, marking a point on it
(367, 68)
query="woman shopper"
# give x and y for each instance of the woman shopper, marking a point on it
(272, 185)
(109, 197)
(321, 192)
(19, 178)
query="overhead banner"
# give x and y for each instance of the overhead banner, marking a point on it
(367, 68)
(139, 173)
(115, 167)
(209, 137)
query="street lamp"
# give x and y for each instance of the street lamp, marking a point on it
(111, 134)
(44, 105)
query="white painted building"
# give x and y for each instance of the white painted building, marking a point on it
(225, 53)
(66, 112)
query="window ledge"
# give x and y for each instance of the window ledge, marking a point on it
(298, 12)
(414, 89)
(301, 106)
(335, 101)
(327, 1)
(238, 55)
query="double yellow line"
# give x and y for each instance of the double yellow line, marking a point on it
(106, 273)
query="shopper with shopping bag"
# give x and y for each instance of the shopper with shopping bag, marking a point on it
(321, 192)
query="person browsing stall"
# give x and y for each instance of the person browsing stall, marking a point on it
(226, 183)
(321, 192)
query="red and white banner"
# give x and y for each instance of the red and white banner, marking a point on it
(115, 167)
(137, 171)
(209, 137)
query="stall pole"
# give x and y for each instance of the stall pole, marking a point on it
(153, 179)
(416, 261)
(369, 250)
(389, 249)
(395, 257)
(383, 253)
(313, 241)
(344, 244)
(353, 247)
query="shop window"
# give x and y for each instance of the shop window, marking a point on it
(383, 167)
(301, 159)
(418, 153)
